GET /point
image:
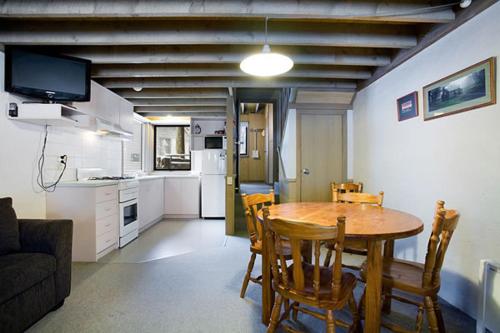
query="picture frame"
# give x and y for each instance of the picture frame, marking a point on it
(407, 106)
(471, 88)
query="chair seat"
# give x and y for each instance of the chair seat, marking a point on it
(403, 275)
(359, 250)
(20, 271)
(286, 248)
(325, 289)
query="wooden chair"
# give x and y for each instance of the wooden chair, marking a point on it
(252, 203)
(327, 288)
(354, 198)
(422, 280)
(346, 187)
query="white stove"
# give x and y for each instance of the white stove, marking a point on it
(128, 200)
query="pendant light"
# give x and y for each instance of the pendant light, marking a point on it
(266, 63)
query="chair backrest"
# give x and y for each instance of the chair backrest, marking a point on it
(358, 198)
(278, 230)
(252, 203)
(346, 187)
(445, 223)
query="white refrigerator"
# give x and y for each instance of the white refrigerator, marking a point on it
(213, 184)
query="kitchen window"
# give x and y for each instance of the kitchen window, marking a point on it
(172, 147)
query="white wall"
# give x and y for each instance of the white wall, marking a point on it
(454, 158)
(20, 146)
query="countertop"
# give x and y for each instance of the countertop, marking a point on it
(100, 183)
(88, 183)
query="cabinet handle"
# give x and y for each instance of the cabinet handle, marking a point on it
(107, 225)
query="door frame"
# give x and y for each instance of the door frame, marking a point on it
(299, 113)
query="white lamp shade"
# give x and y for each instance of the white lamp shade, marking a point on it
(266, 63)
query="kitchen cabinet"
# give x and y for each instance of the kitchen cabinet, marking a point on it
(182, 197)
(151, 199)
(103, 103)
(95, 214)
(126, 110)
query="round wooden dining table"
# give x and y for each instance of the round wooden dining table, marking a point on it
(366, 225)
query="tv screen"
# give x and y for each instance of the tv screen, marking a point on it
(46, 76)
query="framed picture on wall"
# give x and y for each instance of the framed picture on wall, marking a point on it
(468, 89)
(408, 106)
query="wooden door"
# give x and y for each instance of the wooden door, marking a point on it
(320, 154)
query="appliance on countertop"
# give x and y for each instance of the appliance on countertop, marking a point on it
(128, 194)
(213, 185)
(215, 142)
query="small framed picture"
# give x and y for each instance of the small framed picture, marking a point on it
(471, 88)
(408, 106)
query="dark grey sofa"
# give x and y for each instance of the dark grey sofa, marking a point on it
(36, 278)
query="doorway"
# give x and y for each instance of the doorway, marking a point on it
(255, 143)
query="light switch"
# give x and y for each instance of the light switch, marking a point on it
(229, 180)
(255, 154)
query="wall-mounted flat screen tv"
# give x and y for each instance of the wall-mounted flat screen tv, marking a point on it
(46, 76)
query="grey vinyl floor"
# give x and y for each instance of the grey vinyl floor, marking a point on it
(181, 276)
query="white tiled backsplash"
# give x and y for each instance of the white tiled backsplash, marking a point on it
(84, 149)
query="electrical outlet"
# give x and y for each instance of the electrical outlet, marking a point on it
(63, 159)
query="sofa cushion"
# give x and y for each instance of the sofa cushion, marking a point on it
(9, 228)
(20, 271)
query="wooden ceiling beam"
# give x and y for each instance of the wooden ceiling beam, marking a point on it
(174, 93)
(175, 109)
(435, 34)
(204, 32)
(372, 11)
(221, 114)
(163, 70)
(222, 54)
(220, 102)
(208, 82)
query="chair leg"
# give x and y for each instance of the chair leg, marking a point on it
(431, 315)
(361, 305)
(328, 258)
(275, 314)
(355, 327)
(295, 312)
(330, 322)
(387, 300)
(287, 308)
(439, 315)
(247, 275)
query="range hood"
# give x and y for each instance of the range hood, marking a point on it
(107, 128)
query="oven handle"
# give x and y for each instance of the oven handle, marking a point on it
(131, 201)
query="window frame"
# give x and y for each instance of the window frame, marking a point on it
(154, 149)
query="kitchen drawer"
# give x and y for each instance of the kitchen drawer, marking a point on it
(106, 224)
(106, 193)
(106, 240)
(105, 209)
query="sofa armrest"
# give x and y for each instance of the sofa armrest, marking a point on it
(53, 237)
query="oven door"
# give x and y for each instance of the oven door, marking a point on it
(128, 217)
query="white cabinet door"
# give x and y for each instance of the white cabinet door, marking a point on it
(144, 209)
(111, 107)
(151, 193)
(182, 196)
(157, 198)
(126, 115)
